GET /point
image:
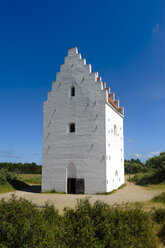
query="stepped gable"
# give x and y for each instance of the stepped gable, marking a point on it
(75, 57)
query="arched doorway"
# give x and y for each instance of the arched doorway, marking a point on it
(71, 179)
(74, 184)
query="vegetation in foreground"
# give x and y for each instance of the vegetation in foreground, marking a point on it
(94, 226)
(159, 218)
(160, 198)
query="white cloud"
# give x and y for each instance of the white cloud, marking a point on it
(156, 28)
(151, 154)
(138, 155)
(11, 156)
(147, 156)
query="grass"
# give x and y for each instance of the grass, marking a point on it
(53, 191)
(30, 178)
(155, 203)
(22, 181)
(6, 187)
(113, 191)
(106, 193)
(12, 186)
(160, 198)
(155, 186)
(149, 178)
(147, 206)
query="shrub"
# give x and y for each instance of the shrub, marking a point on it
(161, 233)
(153, 177)
(160, 198)
(22, 225)
(157, 162)
(97, 226)
(7, 177)
(159, 215)
(2, 177)
(103, 226)
(20, 168)
(10, 176)
(133, 168)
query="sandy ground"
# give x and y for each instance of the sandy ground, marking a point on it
(130, 193)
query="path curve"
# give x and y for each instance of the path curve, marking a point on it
(129, 193)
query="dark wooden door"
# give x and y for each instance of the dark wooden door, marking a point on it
(79, 186)
(75, 186)
(71, 186)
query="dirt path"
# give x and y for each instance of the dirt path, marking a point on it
(130, 193)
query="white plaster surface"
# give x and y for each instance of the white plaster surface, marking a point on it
(83, 153)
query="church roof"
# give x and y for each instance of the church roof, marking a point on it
(73, 52)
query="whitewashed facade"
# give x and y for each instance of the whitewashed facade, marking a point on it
(82, 133)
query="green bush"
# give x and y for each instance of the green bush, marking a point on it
(160, 198)
(103, 226)
(153, 177)
(161, 233)
(22, 225)
(10, 176)
(97, 226)
(20, 168)
(159, 215)
(134, 166)
(157, 162)
(2, 177)
(6, 176)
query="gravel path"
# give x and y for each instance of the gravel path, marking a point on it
(130, 193)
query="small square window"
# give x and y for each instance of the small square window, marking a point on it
(72, 91)
(71, 128)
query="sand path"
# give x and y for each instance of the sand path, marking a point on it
(130, 193)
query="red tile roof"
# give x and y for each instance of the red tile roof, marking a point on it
(111, 102)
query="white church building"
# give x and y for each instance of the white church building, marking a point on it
(82, 133)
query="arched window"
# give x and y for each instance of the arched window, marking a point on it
(71, 128)
(72, 91)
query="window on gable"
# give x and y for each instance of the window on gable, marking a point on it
(72, 91)
(115, 130)
(71, 128)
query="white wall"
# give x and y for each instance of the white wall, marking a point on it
(114, 148)
(86, 147)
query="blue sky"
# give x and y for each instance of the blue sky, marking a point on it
(123, 40)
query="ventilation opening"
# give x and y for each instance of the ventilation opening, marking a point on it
(72, 91)
(71, 128)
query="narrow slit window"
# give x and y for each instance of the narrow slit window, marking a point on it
(72, 91)
(115, 130)
(72, 128)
